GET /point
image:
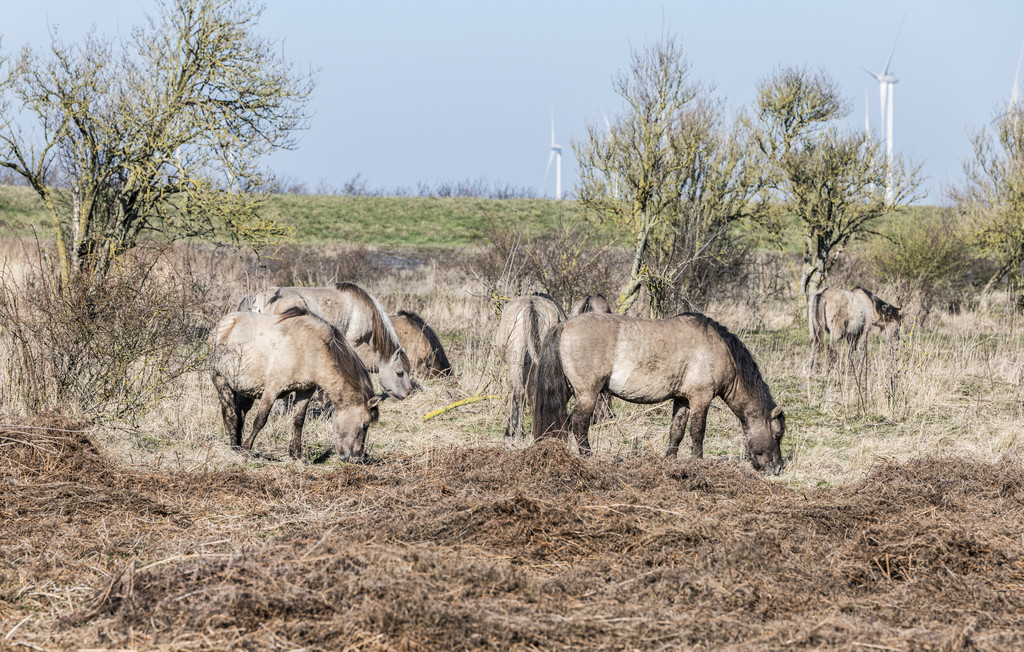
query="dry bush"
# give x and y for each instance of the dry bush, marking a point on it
(107, 346)
(926, 263)
(567, 263)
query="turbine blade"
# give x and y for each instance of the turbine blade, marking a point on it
(551, 157)
(552, 127)
(867, 115)
(873, 74)
(885, 70)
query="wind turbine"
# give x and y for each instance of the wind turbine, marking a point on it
(886, 88)
(556, 156)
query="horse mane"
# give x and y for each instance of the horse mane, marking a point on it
(344, 356)
(350, 366)
(383, 337)
(747, 370)
(886, 311)
(440, 358)
(298, 311)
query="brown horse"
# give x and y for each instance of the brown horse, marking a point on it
(421, 344)
(257, 356)
(849, 315)
(523, 322)
(689, 358)
(590, 303)
(359, 317)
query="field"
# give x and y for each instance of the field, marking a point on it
(896, 523)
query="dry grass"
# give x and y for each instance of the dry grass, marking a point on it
(895, 524)
(478, 548)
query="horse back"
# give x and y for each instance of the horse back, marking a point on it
(645, 360)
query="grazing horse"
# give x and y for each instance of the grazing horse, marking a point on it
(590, 303)
(359, 317)
(849, 315)
(421, 344)
(261, 357)
(523, 322)
(688, 358)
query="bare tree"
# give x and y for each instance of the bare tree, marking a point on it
(832, 180)
(163, 131)
(670, 177)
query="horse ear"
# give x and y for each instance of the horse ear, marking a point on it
(776, 412)
(375, 401)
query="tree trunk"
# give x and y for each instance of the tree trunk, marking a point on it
(814, 269)
(636, 274)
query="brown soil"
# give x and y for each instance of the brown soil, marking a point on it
(484, 548)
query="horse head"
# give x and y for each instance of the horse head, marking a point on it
(889, 319)
(350, 425)
(764, 442)
(395, 374)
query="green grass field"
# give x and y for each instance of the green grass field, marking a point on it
(399, 221)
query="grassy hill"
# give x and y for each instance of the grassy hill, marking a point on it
(390, 221)
(415, 221)
(325, 219)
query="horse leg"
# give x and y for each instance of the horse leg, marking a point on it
(298, 420)
(581, 415)
(514, 428)
(242, 406)
(230, 411)
(262, 413)
(698, 422)
(680, 414)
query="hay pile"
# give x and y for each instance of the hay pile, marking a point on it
(478, 548)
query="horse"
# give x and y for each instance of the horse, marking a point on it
(421, 344)
(688, 358)
(259, 356)
(359, 317)
(849, 315)
(523, 322)
(590, 303)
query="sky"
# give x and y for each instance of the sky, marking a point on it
(412, 93)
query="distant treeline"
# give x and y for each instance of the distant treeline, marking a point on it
(359, 186)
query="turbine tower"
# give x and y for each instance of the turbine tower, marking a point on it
(886, 88)
(556, 156)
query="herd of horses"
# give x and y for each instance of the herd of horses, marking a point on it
(294, 340)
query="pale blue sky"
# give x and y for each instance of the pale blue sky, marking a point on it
(413, 92)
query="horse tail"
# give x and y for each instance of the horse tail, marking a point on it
(816, 318)
(548, 386)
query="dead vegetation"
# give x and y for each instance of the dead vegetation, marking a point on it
(483, 548)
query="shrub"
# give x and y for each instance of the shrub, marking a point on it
(926, 262)
(107, 346)
(566, 263)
